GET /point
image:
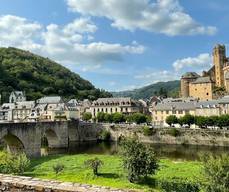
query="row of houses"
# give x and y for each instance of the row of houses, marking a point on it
(54, 108)
(180, 107)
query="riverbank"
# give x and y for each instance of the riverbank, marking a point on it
(111, 173)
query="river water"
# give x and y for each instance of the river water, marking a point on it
(183, 152)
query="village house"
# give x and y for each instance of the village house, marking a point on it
(171, 107)
(123, 105)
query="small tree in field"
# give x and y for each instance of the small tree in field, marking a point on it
(216, 173)
(139, 160)
(94, 164)
(58, 168)
(171, 120)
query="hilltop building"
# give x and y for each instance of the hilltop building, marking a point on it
(202, 87)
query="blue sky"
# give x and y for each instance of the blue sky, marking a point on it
(118, 44)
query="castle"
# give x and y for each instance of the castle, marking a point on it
(216, 78)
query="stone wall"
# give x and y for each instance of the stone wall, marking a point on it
(27, 184)
(163, 136)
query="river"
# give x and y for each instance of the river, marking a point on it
(183, 152)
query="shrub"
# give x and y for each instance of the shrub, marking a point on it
(177, 185)
(94, 164)
(138, 159)
(105, 135)
(147, 131)
(216, 173)
(17, 163)
(3, 161)
(58, 168)
(174, 132)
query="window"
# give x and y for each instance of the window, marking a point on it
(167, 112)
(207, 94)
(174, 112)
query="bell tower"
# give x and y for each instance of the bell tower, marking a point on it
(219, 57)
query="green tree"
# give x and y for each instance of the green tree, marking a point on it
(139, 160)
(108, 118)
(201, 121)
(87, 116)
(118, 118)
(171, 120)
(216, 173)
(94, 164)
(187, 120)
(138, 118)
(100, 117)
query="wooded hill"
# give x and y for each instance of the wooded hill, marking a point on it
(167, 89)
(38, 76)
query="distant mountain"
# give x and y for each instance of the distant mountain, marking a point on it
(38, 76)
(171, 88)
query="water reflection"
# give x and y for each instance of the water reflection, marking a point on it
(163, 151)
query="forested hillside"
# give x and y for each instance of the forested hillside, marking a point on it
(170, 89)
(38, 76)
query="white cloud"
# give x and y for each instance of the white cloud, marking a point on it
(81, 25)
(17, 31)
(203, 61)
(63, 43)
(156, 76)
(162, 16)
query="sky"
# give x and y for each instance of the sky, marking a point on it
(118, 44)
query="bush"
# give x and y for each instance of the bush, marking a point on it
(3, 161)
(177, 185)
(216, 173)
(138, 159)
(105, 135)
(147, 131)
(58, 168)
(94, 164)
(174, 132)
(17, 163)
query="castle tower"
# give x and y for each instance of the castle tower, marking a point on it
(186, 79)
(219, 57)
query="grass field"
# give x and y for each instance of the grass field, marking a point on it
(111, 173)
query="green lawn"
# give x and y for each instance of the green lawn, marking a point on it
(111, 174)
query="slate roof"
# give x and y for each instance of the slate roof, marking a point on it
(190, 75)
(208, 104)
(175, 106)
(50, 100)
(224, 100)
(202, 80)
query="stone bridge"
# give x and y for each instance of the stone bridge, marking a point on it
(28, 137)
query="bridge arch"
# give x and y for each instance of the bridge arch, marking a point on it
(13, 143)
(51, 138)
